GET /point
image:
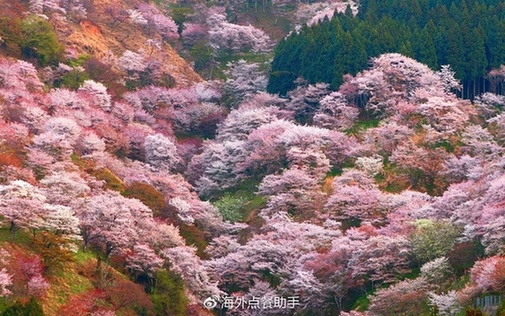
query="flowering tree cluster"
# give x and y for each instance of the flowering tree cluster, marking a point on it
(333, 186)
(227, 36)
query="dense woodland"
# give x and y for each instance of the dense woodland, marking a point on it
(468, 35)
(132, 185)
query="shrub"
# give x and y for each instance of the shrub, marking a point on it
(73, 79)
(168, 295)
(148, 195)
(31, 308)
(230, 207)
(39, 41)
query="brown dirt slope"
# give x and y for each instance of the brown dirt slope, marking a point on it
(106, 31)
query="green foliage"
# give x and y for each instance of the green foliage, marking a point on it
(433, 239)
(40, 41)
(194, 236)
(469, 36)
(201, 55)
(31, 308)
(79, 61)
(148, 195)
(168, 295)
(230, 206)
(362, 125)
(22, 237)
(180, 15)
(73, 79)
(362, 303)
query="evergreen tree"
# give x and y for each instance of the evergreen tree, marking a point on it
(168, 294)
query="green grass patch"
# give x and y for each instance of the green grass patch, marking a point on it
(362, 126)
(247, 190)
(22, 237)
(81, 256)
(77, 283)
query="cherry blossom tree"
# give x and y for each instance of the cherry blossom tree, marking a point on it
(75, 9)
(166, 235)
(335, 113)
(158, 21)
(38, 286)
(185, 262)
(243, 81)
(293, 192)
(90, 144)
(99, 92)
(141, 68)
(312, 160)
(161, 153)
(144, 261)
(213, 170)
(304, 101)
(489, 274)
(387, 136)
(450, 83)
(356, 203)
(488, 104)
(194, 33)
(312, 13)
(242, 121)
(45, 7)
(112, 221)
(381, 259)
(436, 271)
(58, 136)
(447, 304)
(21, 205)
(200, 118)
(61, 220)
(232, 37)
(5, 281)
(28, 271)
(407, 295)
(64, 187)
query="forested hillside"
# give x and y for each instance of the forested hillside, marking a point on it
(468, 35)
(146, 170)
